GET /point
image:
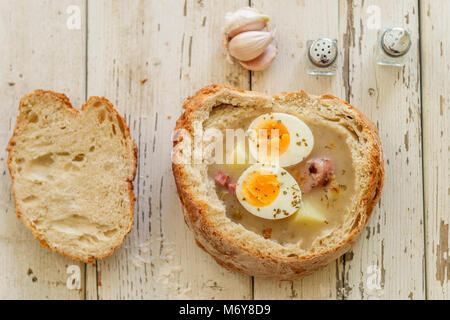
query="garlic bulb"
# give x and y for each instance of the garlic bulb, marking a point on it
(249, 45)
(247, 39)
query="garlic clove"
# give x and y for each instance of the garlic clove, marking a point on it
(262, 61)
(256, 25)
(249, 45)
(245, 19)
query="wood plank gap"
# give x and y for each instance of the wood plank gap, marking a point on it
(250, 88)
(340, 294)
(425, 261)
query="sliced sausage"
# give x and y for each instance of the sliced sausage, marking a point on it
(222, 179)
(316, 172)
(232, 188)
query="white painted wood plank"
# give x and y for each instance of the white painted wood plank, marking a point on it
(38, 51)
(297, 22)
(91, 281)
(388, 261)
(435, 28)
(176, 46)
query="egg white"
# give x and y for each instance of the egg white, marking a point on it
(301, 139)
(288, 199)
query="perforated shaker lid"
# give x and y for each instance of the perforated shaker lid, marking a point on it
(323, 52)
(396, 41)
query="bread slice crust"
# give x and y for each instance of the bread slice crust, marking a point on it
(272, 263)
(76, 113)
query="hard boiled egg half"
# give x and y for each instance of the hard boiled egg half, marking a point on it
(280, 138)
(268, 191)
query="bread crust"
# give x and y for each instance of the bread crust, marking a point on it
(65, 100)
(232, 254)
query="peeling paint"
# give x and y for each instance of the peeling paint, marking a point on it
(182, 52)
(190, 50)
(383, 270)
(442, 260)
(294, 293)
(361, 34)
(349, 41)
(407, 140)
(339, 281)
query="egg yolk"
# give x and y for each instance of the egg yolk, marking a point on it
(266, 132)
(260, 188)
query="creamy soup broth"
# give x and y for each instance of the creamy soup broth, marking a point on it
(333, 199)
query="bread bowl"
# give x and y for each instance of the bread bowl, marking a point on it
(72, 174)
(239, 244)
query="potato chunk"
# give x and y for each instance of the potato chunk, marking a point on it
(309, 214)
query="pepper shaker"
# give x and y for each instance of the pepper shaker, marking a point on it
(393, 46)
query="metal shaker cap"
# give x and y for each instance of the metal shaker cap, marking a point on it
(396, 41)
(323, 52)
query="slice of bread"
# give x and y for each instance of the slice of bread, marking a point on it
(233, 246)
(72, 174)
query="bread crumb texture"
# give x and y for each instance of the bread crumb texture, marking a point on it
(233, 246)
(72, 174)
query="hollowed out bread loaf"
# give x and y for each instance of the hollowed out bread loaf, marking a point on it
(72, 174)
(239, 249)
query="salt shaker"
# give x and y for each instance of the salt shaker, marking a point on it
(322, 56)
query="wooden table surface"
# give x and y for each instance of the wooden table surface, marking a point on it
(403, 253)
